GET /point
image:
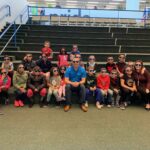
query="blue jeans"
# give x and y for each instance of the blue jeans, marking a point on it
(97, 93)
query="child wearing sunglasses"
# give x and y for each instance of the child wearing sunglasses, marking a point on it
(8, 65)
(54, 83)
(91, 88)
(103, 83)
(115, 87)
(142, 79)
(91, 63)
(20, 78)
(61, 90)
(36, 85)
(128, 87)
(5, 82)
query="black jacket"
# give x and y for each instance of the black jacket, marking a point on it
(90, 81)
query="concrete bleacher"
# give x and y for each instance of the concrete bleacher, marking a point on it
(100, 41)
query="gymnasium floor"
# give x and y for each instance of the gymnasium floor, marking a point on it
(53, 129)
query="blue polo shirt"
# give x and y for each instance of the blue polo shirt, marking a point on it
(75, 75)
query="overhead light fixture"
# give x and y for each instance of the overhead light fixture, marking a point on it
(71, 1)
(113, 3)
(93, 2)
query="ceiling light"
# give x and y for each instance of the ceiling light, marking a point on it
(93, 2)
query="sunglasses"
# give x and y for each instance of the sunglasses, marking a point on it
(4, 72)
(37, 71)
(91, 70)
(75, 61)
(128, 70)
(114, 73)
(91, 58)
(55, 70)
(138, 65)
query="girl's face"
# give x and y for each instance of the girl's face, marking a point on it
(110, 60)
(63, 50)
(4, 72)
(138, 66)
(128, 70)
(21, 69)
(55, 71)
(91, 59)
(62, 70)
(7, 59)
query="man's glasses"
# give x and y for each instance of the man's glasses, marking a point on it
(91, 58)
(75, 62)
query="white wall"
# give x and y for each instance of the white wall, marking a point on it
(16, 6)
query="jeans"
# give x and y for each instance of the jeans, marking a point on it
(80, 90)
(97, 93)
(107, 99)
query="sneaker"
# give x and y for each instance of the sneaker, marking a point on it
(98, 106)
(21, 104)
(84, 108)
(30, 105)
(16, 103)
(109, 106)
(147, 107)
(86, 104)
(7, 102)
(122, 107)
(125, 104)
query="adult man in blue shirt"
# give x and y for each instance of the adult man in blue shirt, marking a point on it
(75, 77)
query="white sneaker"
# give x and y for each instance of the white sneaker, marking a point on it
(98, 106)
(109, 106)
(86, 104)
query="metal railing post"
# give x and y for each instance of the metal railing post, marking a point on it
(15, 34)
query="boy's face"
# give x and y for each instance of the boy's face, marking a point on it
(91, 59)
(91, 72)
(74, 48)
(110, 60)
(103, 72)
(47, 44)
(113, 74)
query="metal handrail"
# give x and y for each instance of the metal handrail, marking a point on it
(14, 34)
(10, 39)
(24, 10)
(8, 13)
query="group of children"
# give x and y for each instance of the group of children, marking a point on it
(115, 84)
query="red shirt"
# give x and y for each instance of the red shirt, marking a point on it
(63, 60)
(47, 51)
(103, 82)
(5, 82)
